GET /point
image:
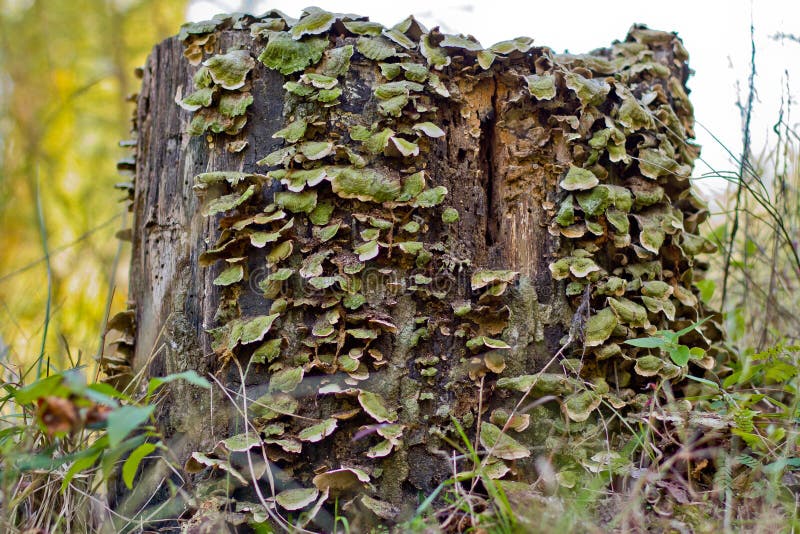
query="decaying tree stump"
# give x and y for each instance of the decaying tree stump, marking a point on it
(387, 231)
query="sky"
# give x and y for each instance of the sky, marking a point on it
(715, 32)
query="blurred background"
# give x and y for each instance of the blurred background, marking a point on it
(66, 69)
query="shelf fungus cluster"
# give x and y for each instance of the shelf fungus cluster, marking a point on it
(374, 333)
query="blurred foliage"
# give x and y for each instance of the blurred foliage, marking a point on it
(756, 278)
(66, 67)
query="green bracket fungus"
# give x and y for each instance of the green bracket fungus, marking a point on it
(352, 199)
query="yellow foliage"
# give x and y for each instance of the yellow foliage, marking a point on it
(66, 67)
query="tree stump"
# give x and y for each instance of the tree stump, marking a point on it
(372, 236)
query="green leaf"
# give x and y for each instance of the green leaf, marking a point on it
(704, 381)
(82, 463)
(691, 327)
(51, 385)
(105, 394)
(131, 464)
(680, 355)
(647, 342)
(124, 420)
(706, 288)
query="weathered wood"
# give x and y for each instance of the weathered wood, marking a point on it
(501, 160)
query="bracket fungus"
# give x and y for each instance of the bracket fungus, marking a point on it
(353, 275)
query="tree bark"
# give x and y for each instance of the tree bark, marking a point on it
(504, 152)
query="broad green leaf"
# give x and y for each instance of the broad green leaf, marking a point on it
(648, 342)
(80, 464)
(124, 420)
(680, 355)
(131, 464)
(43, 387)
